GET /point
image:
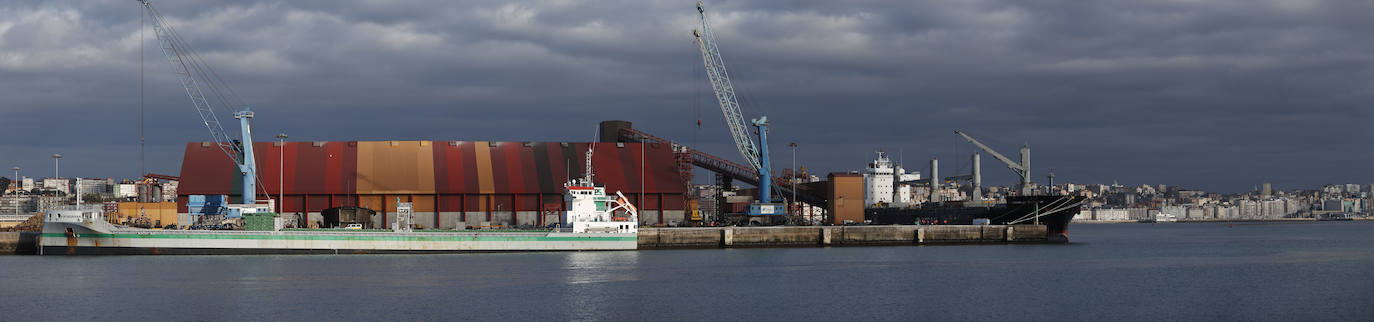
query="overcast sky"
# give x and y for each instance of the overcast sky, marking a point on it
(1218, 94)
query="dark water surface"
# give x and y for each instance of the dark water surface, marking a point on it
(1287, 271)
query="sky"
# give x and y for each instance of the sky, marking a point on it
(1220, 95)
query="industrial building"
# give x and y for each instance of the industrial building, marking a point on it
(846, 194)
(452, 184)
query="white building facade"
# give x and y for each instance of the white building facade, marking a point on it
(59, 184)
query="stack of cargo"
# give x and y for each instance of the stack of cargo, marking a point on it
(260, 222)
(205, 204)
(204, 209)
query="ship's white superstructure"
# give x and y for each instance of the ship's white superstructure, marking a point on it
(591, 210)
(882, 183)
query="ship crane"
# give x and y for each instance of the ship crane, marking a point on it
(755, 155)
(975, 179)
(187, 64)
(1022, 169)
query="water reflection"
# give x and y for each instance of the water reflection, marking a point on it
(587, 274)
(598, 267)
(1198, 271)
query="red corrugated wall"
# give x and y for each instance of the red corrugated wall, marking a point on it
(471, 175)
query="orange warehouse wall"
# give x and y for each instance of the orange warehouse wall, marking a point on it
(166, 212)
(395, 167)
(470, 176)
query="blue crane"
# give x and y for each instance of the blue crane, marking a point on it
(756, 156)
(193, 71)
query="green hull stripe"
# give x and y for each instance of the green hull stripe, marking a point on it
(343, 237)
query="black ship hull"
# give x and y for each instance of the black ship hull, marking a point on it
(1054, 212)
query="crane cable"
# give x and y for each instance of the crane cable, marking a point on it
(142, 119)
(226, 96)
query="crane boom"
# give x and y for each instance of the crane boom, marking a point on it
(1010, 164)
(1022, 169)
(755, 155)
(172, 48)
(725, 91)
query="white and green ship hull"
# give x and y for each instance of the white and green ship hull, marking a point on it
(597, 221)
(57, 239)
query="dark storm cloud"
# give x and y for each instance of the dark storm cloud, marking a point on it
(1206, 94)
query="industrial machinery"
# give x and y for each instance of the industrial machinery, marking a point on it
(1022, 169)
(975, 180)
(142, 222)
(193, 71)
(764, 211)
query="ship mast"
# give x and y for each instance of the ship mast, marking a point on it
(587, 173)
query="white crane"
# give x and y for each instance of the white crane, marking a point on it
(187, 64)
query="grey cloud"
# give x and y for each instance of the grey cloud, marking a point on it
(1211, 94)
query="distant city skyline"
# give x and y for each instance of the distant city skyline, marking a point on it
(1219, 95)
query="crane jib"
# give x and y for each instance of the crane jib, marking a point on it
(175, 57)
(725, 92)
(193, 71)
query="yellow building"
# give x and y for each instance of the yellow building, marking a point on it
(161, 213)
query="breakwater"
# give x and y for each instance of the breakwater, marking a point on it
(822, 236)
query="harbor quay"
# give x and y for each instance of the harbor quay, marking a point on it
(18, 243)
(824, 236)
(775, 236)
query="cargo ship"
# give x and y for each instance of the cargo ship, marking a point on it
(1054, 212)
(887, 195)
(594, 220)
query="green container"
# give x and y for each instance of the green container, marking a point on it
(259, 222)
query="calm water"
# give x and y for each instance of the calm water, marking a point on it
(1290, 271)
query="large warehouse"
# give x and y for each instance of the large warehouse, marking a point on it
(449, 182)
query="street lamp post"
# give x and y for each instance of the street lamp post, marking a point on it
(281, 170)
(21, 187)
(55, 174)
(55, 158)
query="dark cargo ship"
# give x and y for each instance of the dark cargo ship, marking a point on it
(883, 177)
(1054, 212)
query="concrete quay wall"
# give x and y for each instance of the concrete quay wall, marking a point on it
(9, 241)
(728, 237)
(18, 243)
(821, 236)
